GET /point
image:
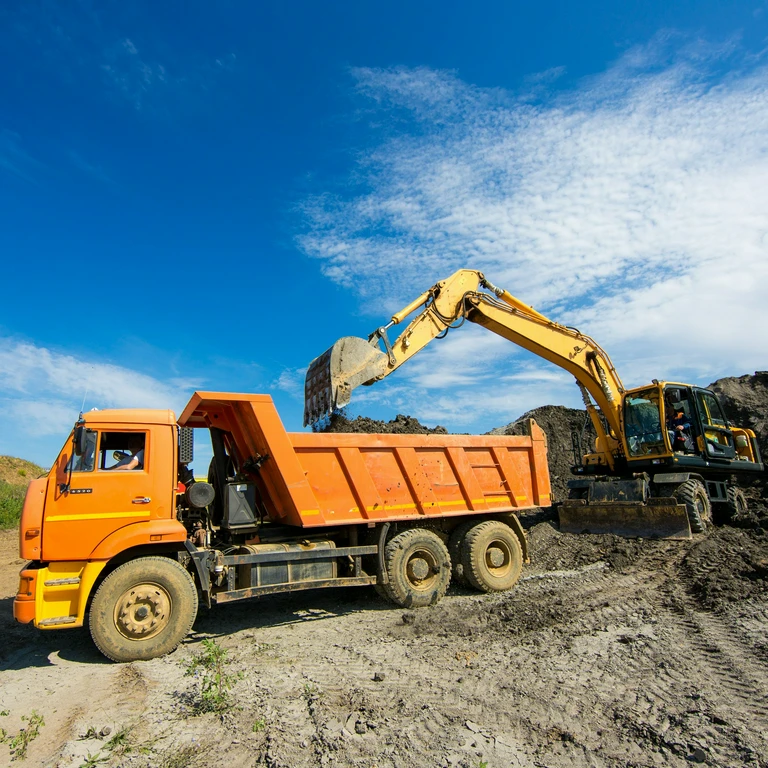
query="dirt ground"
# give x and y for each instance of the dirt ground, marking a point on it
(609, 652)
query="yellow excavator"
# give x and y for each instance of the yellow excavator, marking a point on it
(665, 454)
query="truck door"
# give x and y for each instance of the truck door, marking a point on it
(716, 441)
(93, 495)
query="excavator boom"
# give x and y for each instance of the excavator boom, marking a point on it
(468, 295)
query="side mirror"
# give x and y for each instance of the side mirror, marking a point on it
(80, 440)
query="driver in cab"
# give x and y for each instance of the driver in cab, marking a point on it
(135, 459)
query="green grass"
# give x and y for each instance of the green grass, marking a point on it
(11, 502)
(21, 741)
(215, 682)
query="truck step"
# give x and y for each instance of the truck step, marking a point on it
(57, 620)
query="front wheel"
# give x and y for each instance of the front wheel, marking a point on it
(143, 609)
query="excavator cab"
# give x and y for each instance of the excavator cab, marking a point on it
(682, 425)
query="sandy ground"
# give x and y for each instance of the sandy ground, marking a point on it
(609, 652)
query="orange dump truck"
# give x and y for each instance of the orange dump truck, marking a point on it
(120, 533)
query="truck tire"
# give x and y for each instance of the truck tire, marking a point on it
(143, 609)
(455, 544)
(492, 557)
(693, 494)
(418, 568)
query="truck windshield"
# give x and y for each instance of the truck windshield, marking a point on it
(643, 423)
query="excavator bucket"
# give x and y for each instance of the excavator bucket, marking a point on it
(330, 379)
(662, 518)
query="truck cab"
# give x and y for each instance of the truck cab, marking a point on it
(89, 510)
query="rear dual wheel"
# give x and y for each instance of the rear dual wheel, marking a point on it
(418, 569)
(491, 556)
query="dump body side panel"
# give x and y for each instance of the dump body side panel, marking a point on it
(368, 478)
(315, 480)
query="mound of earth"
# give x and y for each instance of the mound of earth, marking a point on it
(400, 425)
(745, 401)
(18, 471)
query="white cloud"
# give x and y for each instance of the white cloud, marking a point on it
(633, 206)
(290, 381)
(42, 391)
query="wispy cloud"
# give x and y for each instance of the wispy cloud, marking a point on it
(146, 81)
(42, 390)
(290, 381)
(83, 44)
(633, 205)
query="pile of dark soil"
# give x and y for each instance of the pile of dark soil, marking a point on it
(726, 567)
(400, 425)
(745, 400)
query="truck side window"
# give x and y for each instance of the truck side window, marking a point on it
(85, 462)
(122, 451)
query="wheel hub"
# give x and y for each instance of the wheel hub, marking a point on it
(498, 558)
(418, 568)
(142, 611)
(495, 557)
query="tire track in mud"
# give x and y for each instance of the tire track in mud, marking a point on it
(637, 687)
(736, 668)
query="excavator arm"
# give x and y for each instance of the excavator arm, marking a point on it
(468, 295)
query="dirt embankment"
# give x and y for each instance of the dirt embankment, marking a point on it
(18, 471)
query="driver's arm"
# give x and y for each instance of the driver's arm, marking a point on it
(132, 464)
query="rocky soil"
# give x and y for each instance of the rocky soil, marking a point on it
(609, 653)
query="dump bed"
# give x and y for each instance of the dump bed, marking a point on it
(321, 479)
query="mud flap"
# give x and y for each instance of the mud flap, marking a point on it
(662, 518)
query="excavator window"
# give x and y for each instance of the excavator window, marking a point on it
(710, 409)
(643, 423)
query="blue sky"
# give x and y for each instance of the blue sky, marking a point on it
(207, 197)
